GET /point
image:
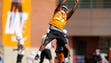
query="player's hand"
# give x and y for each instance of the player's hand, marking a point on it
(15, 49)
(76, 1)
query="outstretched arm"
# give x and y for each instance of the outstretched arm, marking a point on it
(73, 10)
(59, 5)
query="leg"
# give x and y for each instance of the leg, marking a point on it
(68, 48)
(65, 55)
(12, 10)
(20, 11)
(42, 56)
(19, 58)
(48, 55)
(40, 50)
(43, 45)
(48, 39)
(12, 6)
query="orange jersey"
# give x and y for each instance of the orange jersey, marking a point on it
(59, 20)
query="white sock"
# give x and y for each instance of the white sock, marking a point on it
(65, 60)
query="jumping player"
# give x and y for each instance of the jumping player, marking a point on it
(57, 24)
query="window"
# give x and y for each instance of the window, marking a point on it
(107, 3)
(105, 44)
(91, 3)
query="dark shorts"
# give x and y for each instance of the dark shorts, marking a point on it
(19, 58)
(61, 48)
(53, 34)
(46, 53)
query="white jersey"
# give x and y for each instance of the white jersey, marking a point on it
(21, 42)
(21, 52)
(103, 57)
(48, 46)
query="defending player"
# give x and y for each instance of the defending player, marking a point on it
(57, 24)
(46, 53)
(20, 48)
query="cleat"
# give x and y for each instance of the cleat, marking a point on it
(36, 57)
